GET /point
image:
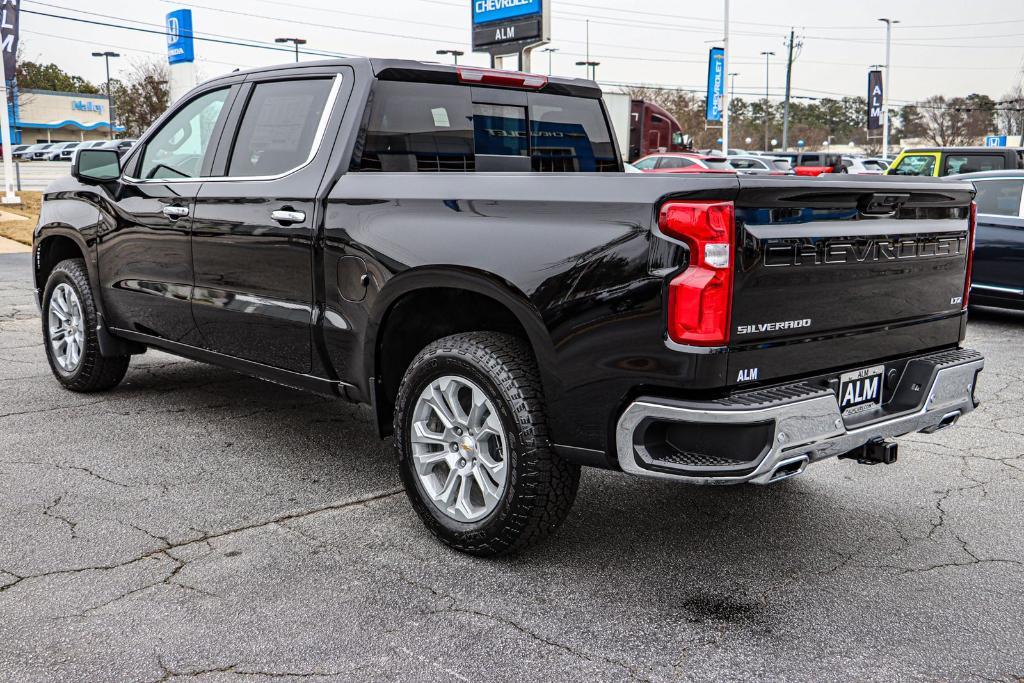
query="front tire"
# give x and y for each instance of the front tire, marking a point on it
(69, 332)
(473, 451)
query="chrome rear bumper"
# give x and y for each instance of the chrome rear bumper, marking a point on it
(800, 423)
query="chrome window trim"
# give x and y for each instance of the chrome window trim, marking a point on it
(996, 288)
(318, 138)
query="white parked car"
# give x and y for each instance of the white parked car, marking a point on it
(855, 166)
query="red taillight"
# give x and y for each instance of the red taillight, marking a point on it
(507, 79)
(700, 298)
(972, 227)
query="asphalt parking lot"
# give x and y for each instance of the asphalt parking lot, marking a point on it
(196, 523)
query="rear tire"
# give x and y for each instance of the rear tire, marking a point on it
(491, 483)
(69, 332)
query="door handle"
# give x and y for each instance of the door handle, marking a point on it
(175, 211)
(288, 216)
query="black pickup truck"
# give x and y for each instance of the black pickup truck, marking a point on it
(459, 248)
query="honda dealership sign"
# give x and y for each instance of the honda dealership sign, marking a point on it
(180, 44)
(506, 27)
(874, 100)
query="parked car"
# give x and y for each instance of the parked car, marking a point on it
(15, 151)
(404, 245)
(877, 164)
(760, 165)
(997, 276)
(61, 151)
(812, 163)
(37, 152)
(684, 163)
(119, 146)
(943, 161)
(856, 166)
(69, 154)
(25, 152)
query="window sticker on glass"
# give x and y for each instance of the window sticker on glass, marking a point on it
(441, 118)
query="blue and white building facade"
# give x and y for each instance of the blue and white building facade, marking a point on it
(51, 116)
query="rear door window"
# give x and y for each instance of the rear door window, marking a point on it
(971, 163)
(718, 165)
(279, 127)
(1000, 197)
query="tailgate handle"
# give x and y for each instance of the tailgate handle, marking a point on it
(882, 203)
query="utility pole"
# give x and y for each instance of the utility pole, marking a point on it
(887, 85)
(110, 97)
(767, 55)
(725, 91)
(550, 51)
(789, 78)
(732, 84)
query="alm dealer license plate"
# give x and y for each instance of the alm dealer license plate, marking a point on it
(861, 390)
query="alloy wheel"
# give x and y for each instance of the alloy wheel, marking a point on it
(66, 328)
(459, 448)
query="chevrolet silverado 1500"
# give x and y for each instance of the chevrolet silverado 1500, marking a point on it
(459, 248)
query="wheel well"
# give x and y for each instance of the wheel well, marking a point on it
(52, 251)
(424, 316)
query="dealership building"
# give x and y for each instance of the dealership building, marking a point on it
(51, 116)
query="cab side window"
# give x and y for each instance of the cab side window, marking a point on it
(279, 127)
(999, 197)
(971, 163)
(178, 149)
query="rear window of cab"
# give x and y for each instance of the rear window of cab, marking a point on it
(426, 127)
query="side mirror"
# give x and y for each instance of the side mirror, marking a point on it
(96, 166)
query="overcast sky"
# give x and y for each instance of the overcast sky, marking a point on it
(949, 47)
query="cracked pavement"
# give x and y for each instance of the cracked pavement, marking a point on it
(198, 524)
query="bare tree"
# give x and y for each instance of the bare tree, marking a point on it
(945, 121)
(142, 96)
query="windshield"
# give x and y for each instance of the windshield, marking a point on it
(914, 164)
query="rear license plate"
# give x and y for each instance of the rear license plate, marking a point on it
(861, 390)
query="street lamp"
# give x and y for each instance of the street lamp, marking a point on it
(110, 98)
(767, 55)
(454, 53)
(732, 84)
(592, 67)
(550, 51)
(295, 41)
(886, 86)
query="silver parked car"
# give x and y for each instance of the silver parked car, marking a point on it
(760, 165)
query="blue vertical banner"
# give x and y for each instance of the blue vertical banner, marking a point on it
(716, 83)
(180, 45)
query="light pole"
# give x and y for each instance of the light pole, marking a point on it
(591, 68)
(887, 85)
(295, 41)
(454, 53)
(550, 51)
(767, 55)
(110, 98)
(725, 91)
(732, 84)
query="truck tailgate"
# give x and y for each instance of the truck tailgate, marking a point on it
(827, 258)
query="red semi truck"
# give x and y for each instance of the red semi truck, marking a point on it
(643, 128)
